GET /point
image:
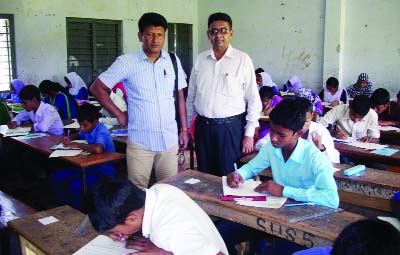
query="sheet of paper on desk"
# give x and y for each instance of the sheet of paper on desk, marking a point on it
(103, 245)
(245, 189)
(74, 125)
(272, 202)
(368, 146)
(394, 221)
(18, 131)
(385, 151)
(65, 153)
(389, 128)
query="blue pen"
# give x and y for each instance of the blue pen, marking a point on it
(237, 179)
(299, 204)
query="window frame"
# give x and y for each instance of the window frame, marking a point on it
(12, 55)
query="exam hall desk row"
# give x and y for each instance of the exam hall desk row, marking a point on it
(318, 231)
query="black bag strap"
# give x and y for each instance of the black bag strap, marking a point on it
(176, 93)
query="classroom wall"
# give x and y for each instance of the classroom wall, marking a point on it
(40, 28)
(315, 38)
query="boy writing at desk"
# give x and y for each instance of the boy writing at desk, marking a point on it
(170, 222)
(67, 182)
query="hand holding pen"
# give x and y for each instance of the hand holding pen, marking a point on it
(340, 133)
(234, 179)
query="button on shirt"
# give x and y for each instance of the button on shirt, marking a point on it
(149, 86)
(223, 88)
(45, 119)
(306, 176)
(175, 223)
(340, 115)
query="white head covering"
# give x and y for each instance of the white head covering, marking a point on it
(267, 80)
(76, 82)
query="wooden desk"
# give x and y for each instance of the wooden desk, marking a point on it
(11, 209)
(321, 231)
(346, 149)
(53, 239)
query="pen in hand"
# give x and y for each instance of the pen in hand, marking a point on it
(237, 179)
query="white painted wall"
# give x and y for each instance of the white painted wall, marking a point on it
(300, 37)
(40, 28)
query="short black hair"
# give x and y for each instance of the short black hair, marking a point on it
(379, 97)
(367, 237)
(111, 200)
(29, 92)
(308, 106)
(259, 70)
(152, 19)
(332, 82)
(266, 92)
(47, 86)
(220, 16)
(361, 105)
(87, 112)
(289, 114)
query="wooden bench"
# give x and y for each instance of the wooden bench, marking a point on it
(10, 209)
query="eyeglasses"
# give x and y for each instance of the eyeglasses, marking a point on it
(214, 31)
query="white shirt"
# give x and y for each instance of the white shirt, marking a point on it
(223, 88)
(326, 140)
(340, 115)
(45, 119)
(175, 223)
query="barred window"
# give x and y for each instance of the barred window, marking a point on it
(7, 53)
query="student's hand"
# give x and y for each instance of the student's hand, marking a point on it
(234, 180)
(248, 145)
(317, 140)
(145, 247)
(123, 119)
(267, 111)
(367, 139)
(340, 134)
(118, 237)
(271, 187)
(183, 140)
(72, 145)
(11, 124)
(334, 103)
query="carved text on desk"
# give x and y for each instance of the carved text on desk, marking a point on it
(365, 189)
(288, 233)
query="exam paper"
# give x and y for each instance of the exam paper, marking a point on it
(389, 128)
(65, 153)
(75, 125)
(48, 220)
(394, 221)
(103, 245)
(368, 146)
(17, 131)
(271, 202)
(61, 146)
(245, 189)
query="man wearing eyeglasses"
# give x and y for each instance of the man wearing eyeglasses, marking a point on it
(149, 78)
(223, 93)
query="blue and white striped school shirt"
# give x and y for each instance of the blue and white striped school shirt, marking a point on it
(149, 86)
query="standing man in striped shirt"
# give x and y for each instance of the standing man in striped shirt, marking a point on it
(223, 92)
(148, 76)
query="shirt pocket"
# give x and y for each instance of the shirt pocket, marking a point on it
(232, 86)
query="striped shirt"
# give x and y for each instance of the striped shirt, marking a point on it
(149, 86)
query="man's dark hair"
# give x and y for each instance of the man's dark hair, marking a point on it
(289, 114)
(152, 19)
(379, 97)
(220, 16)
(306, 104)
(29, 92)
(111, 200)
(259, 70)
(332, 82)
(368, 237)
(266, 92)
(361, 105)
(87, 112)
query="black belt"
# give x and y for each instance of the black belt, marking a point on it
(219, 121)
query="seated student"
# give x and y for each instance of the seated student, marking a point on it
(264, 79)
(43, 116)
(56, 95)
(364, 237)
(15, 87)
(357, 120)
(362, 87)
(269, 101)
(4, 114)
(293, 84)
(332, 94)
(314, 133)
(388, 111)
(299, 169)
(77, 87)
(170, 222)
(67, 182)
(313, 98)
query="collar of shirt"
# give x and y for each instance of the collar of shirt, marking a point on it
(94, 131)
(297, 153)
(144, 57)
(229, 53)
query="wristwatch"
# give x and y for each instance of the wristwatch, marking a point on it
(323, 149)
